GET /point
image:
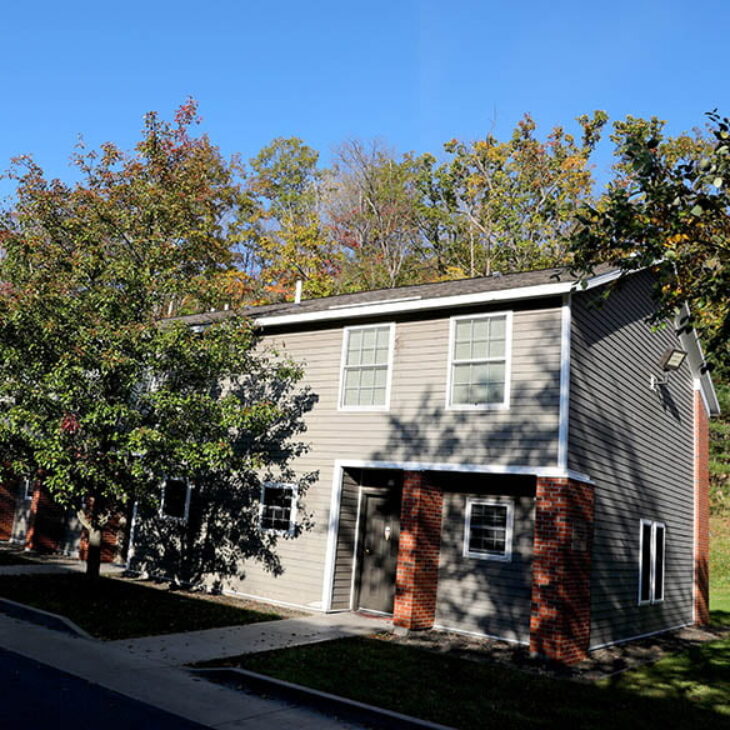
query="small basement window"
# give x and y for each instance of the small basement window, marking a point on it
(278, 507)
(175, 501)
(488, 530)
(652, 538)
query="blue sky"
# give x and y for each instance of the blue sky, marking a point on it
(412, 73)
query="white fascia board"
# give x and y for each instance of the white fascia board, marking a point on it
(696, 358)
(456, 300)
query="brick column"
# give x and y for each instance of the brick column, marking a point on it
(46, 522)
(8, 495)
(702, 512)
(418, 553)
(109, 540)
(560, 622)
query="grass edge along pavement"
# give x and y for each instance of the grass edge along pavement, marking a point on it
(113, 608)
(684, 690)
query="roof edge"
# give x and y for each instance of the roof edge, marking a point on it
(430, 303)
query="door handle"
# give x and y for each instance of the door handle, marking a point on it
(368, 551)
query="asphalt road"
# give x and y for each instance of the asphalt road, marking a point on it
(35, 696)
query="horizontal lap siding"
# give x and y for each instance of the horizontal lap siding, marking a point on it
(486, 596)
(416, 428)
(636, 444)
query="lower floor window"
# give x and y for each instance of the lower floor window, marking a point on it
(278, 507)
(488, 531)
(652, 539)
(175, 501)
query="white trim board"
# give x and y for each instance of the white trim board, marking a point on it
(441, 627)
(415, 305)
(638, 636)
(565, 354)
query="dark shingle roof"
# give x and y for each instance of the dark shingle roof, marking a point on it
(418, 291)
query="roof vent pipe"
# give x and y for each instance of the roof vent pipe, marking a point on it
(298, 292)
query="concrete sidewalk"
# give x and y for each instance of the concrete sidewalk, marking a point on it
(57, 566)
(201, 646)
(154, 682)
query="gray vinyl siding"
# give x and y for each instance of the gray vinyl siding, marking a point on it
(486, 596)
(637, 446)
(416, 428)
(22, 513)
(346, 536)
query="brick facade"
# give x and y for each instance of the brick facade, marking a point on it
(8, 504)
(46, 523)
(560, 621)
(109, 541)
(418, 552)
(702, 512)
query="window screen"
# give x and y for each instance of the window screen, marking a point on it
(367, 359)
(488, 528)
(277, 503)
(174, 498)
(479, 361)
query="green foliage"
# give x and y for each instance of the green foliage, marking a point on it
(96, 396)
(720, 552)
(515, 201)
(290, 241)
(668, 210)
(720, 453)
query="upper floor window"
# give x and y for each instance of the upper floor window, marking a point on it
(175, 501)
(479, 361)
(278, 507)
(488, 530)
(367, 355)
(651, 561)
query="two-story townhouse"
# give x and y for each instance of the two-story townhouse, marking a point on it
(513, 456)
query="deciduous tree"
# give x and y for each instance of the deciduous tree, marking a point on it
(98, 397)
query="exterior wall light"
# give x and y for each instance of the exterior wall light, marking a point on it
(671, 359)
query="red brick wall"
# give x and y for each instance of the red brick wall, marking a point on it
(46, 523)
(702, 512)
(560, 621)
(7, 509)
(418, 552)
(109, 541)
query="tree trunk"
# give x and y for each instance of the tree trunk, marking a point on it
(93, 554)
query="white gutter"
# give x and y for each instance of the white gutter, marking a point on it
(696, 357)
(415, 305)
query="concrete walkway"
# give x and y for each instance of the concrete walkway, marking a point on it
(56, 567)
(201, 646)
(154, 682)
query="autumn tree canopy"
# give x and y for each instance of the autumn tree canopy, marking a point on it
(100, 396)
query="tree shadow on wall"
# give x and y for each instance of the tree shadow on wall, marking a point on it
(220, 535)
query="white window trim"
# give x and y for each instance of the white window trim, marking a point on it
(389, 372)
(188, 490)
(292, 510)
(652, 561)
(509, 504)
(28, 489)
(497, 406)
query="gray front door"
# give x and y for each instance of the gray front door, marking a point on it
(378, 551)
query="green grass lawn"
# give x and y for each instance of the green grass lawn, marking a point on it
(686, 691)
(118, 609)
